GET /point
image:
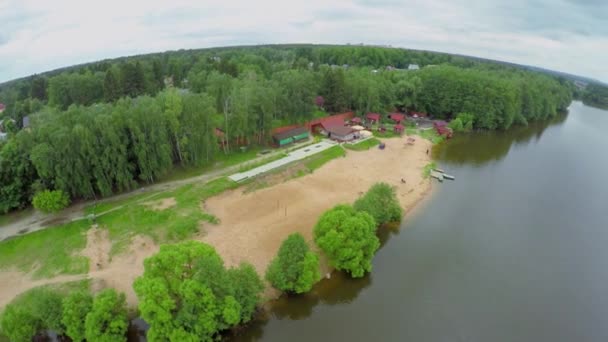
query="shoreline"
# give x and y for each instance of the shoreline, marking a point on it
(254, 224)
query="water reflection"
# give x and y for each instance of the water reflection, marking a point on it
(485, 147)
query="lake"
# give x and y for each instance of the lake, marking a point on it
(516, 249)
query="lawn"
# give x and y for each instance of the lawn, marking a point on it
(389, 133)
(317, 160)
(47, 252)
(364, 145)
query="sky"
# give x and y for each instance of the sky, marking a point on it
(563, 35)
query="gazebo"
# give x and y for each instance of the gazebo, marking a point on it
(397, 117)
(356, 121)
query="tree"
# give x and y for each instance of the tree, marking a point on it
(51, 201)
(76, 306)
(295, 268)
(381, 202)
(38, 88)
(348, 238)
(107, 320)
(186, 293)
(111, 86)
(18, 324)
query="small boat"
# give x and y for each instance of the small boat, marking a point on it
(439, 170)
(437, 175)
(450, 177)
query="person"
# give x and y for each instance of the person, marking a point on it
(402, 180)
(427, 151)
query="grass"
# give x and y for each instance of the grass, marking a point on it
(171, 224)
(389, 133)
(317, 160)
(363, 145)
(47, 252)
(426, 171)
(429, 134)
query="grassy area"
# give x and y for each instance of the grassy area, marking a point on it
(316, 161)
(389, 133)
(426, 171)
(432, 135)
(175, 223)
(48, 252)
(364, 145)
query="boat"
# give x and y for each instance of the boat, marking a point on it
(439, 170)
(450, 177)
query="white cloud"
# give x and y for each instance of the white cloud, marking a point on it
(37, 36)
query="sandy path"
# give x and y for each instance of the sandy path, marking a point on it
(252, 226)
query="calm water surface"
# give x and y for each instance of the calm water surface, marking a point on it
(516, 249)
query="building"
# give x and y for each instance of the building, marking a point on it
(290, 136)
(398, 128)
(26, 121)
(397, 117)
(413, 67)
(2, 107)
(356, 121)
(373, 117)
(341, 133)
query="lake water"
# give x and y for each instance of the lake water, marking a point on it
(516, 249)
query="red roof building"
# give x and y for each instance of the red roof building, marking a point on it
(356, 120)
(398, 128)
(439, 123)
(341, 133)
(397, 117)
(375, 117)
(2, 107)
(418, 114)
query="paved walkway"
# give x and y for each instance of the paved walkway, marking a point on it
(291, 157)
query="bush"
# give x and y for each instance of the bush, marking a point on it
(18, 324)
(381, 202)
(456, 125)
(107, 321)
(51, 201)
(348, 238)
(186, 293)
(76, 306)
(295, 268)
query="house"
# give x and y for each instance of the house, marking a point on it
(413, 67)
(418, 114)
(398, 128)
(341, 133)
(442, 128)
(26, 121)
(356, 121)
(2, 107)
(397, 117)
(3, 136)
(373, 117)
(290, 136)
(439, 124)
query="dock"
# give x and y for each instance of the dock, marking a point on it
(440, 175)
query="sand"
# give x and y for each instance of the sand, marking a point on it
(253, 225)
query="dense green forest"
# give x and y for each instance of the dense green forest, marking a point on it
(104, 127)
(596, 95)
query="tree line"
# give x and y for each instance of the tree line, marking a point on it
(103, 128)
(596, 95)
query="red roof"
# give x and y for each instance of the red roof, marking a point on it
(373, 116)
(2, 106)
(418, 114)
(356, 120)
(440, 123)
(340, 130)
(397, 117)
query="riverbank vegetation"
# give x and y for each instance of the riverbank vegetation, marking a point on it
(103, 128)
(295, 269)
(187, 294)
(381, 202)
(66, 309)
(596, 95)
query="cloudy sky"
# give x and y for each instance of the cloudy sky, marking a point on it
(565, 35)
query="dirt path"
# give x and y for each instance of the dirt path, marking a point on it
(253, 225)
(39, 221)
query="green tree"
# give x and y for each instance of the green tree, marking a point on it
(295, 268)
(107, 320)
(381, 202)
(18, 324)
(51, 201)
(187, 294)
(348, 238)
(76, 306)
(38, 88)
(111, 86)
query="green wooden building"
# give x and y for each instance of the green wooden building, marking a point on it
(290, 136)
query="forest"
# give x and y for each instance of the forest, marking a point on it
(596, 95)
(102, 128)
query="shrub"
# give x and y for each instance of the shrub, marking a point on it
(76, 306)
(51, 201)
(295, 268)
(381, 202)
(348, 238)
(456, 125)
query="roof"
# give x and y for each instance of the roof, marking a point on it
(26, 121)
(2, 106)
(340, 130)
(398, 126)
(373, 116)
(328, 124)
(357, 120)
(413, 67)
(290, 133)
(397, 116)
(440, 123)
